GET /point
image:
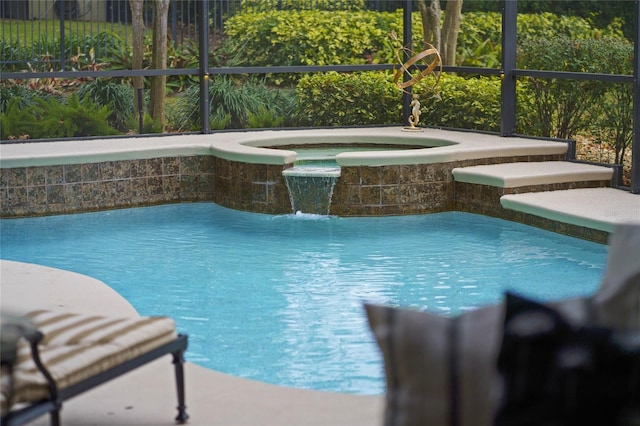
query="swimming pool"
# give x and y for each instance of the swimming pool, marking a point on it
(279, 298)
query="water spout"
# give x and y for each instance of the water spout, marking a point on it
(311, 188)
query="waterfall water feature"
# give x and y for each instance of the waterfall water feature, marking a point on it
(311, 187)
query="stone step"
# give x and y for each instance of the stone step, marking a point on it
(513, 175)
(595, 208)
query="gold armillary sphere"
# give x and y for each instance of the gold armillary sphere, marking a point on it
(419, 66)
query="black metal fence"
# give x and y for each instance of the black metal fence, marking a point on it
(35, 30)
(201, 21)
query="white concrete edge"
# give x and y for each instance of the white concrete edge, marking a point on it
(508, 202)
(510, 175)
(27, 286)
(244, 146)
(542, 178)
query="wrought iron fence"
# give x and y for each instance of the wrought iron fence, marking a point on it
(47, 34)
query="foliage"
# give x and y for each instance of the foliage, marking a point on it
(219, 120)
(598, 13)
(264, 118)
(337, 99)
(312, 37)
(52, 118)
(466, 103)
(82, 52)
(231, 103)
(16, 122)
(119, 97)
(480, 44)
(271, 5)
(613, 122)
(150, 124)
(25, 94)
(562, 106)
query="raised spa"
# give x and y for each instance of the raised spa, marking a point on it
(316, 170)
(373, 172)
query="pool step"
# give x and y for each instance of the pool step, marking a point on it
(531, 174)
(594, 208)
(511, 191)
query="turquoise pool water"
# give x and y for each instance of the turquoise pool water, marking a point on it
(279, 298)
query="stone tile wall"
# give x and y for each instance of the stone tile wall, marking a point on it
(257, 188)
(393, 190)
(485, 200)
(33, 191)
(360, 191)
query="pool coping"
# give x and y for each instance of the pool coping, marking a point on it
(247, 147)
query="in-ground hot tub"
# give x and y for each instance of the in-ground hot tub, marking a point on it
(365, 174)
(312, 179)
(383, 171)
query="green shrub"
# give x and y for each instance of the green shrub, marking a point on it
(16, 122)
(119, 97)
(24, 93)
(271, 5)
(52, 118)
(311, 37)
(264, 118)
(613, 121)
(81, 52)
(563, 107)
(336, 99)
(231, 103)
(466, 103)
(479, 41)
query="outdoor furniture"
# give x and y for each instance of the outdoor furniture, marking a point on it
(49, 357)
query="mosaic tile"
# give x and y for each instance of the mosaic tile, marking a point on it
(370, 175)
(170, 166)
(370, 195)
(36, 176)
(137, 168)
(154, 167)
(121, 169)
(154, 186)
(73, 194)
(15, 177)
(17, 197)
(55, 194)
(55, 175)
(90, 172)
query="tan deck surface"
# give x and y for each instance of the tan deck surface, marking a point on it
(146, 396)
(596, 208)
(512, 175)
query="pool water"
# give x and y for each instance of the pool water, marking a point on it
(279, 298)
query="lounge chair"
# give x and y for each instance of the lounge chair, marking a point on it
(49, 357)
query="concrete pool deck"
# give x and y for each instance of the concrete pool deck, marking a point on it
(147, 396)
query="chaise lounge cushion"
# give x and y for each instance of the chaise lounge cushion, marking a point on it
(76, 347)
(440, 369)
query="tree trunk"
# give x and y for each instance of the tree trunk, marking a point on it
(138, 49)
(450, 30)
(159, 60)
(431, 22)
